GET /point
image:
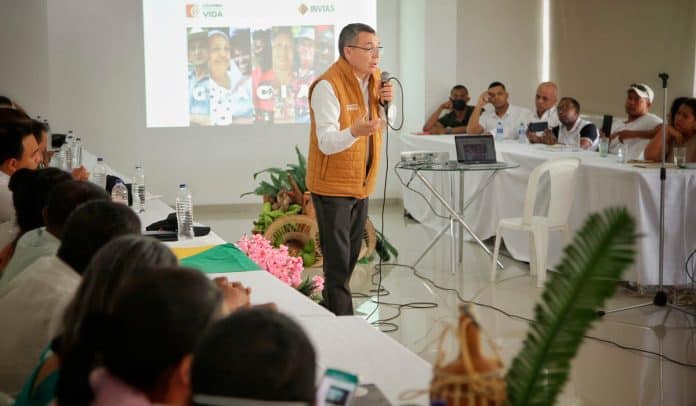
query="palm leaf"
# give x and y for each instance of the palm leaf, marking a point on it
(588, 275)
(277, 171)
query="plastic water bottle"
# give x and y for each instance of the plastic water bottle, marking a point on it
(522, 134)
(184, 213)
(621, 153)
(119, 193)
(139, 190)
(77, 152)
(69, 144)
(499, 134)
(99, 173)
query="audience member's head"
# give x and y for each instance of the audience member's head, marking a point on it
(459, 95)
(639, 98)
(116, 264)
(5, 102)
(283, 55)
(30, 192)
(65, 198)
(546, 96)
(147, 340)
(568, 111)
(18, 147)
(40, 130)
(267, 357)
(90, 226)
(498, 95)
(685, 119)
(675, 108)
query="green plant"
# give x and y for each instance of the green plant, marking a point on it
(283, 179)
(588, 275)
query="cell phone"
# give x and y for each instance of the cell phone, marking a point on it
(336, 388)
(607, 122)
(538, 126)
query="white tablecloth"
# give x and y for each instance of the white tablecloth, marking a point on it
(601, 183)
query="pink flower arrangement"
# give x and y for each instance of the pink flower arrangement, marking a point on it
(279, 263)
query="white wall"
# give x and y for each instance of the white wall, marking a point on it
(600, 47)
(498, 40)
(24, 49)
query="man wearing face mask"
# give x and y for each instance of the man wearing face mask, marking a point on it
(456, 120)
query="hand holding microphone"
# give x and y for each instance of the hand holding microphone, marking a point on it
(385, 90)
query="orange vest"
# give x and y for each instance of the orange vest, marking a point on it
(346, 173)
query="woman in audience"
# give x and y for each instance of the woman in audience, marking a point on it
(272, 360)
(30, 191)
(120, 261)
(32, 303)
(144, 344)
(681, 133)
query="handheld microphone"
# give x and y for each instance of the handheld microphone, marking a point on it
(384, 79)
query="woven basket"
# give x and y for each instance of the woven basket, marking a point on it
(295, 231)
(472, 380)
(369, 240)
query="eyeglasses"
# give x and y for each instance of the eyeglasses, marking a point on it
(372, 50)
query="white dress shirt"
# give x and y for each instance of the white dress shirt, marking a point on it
(634, 146)
(514, 118)
(327, 111)
(7, 212)
(550, 116)
(29, 303)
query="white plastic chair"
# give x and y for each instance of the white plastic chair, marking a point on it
(562, 177)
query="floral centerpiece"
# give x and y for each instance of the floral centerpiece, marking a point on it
(279, 263)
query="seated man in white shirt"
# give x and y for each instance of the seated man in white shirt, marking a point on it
(32, 303)
(18, 149)
(635, 133)
(572, 131)
(545, 107)
(504, 120)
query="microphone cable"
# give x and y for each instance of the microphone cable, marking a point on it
(384, 194)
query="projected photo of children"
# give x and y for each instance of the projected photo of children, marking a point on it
(325, 53)
(262, 75)
(199, 105)
(283, 51)
(223, 96)
(303, 74)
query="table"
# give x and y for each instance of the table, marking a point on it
(601, 183)
(455, 214)
(349, 343)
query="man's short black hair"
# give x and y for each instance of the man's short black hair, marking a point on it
(574, 102)
(5, 102)
(495, 84)
(65, 197)
(458, 87)
(30, 190)
(37, 128)
(267, 357)
(12, 133)
(350, 33)
(90, 226)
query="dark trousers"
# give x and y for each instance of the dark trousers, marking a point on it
(341, 227)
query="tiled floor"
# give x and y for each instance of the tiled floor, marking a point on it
(602, 373)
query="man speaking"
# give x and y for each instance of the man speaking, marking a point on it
(344, 153)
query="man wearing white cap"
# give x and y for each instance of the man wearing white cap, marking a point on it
(635, 133)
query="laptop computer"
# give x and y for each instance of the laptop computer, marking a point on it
(476, 150)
